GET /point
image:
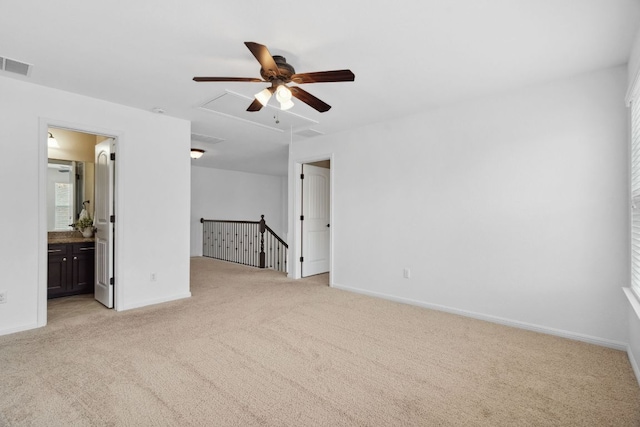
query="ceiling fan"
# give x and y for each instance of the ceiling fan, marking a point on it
(276, 71)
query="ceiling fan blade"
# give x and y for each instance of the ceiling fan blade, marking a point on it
(324, 77)
(227, 79)
(309, 99)
(255, 106)
(264, 58)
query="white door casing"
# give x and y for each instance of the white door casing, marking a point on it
(104, 183)
(315, 226)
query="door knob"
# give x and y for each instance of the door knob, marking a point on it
(327, 225)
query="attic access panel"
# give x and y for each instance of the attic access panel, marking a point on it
(234, 105)
(206, 138)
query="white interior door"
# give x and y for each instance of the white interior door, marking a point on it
(315, 226)
(104, 234)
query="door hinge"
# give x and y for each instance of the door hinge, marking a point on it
(111, 281)
(301, 259)
(112, 219)
(113, 156)
(301, 217)
(301, 176)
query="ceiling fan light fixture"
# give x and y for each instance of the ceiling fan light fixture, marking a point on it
(286, 105)
(196, 153)
(263, 96)
(283, 94)
(52, 142)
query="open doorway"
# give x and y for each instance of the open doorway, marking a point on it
(80, 195)
(315, 218)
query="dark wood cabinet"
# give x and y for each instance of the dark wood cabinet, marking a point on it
(71, 269)
(58, 270)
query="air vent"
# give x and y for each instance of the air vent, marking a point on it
(205, 138)
(13, 66)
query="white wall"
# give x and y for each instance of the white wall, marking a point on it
(230, 195)
(152, 211)
(511, 208)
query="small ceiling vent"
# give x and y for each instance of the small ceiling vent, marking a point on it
(13, 66)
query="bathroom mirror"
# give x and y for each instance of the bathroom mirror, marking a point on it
(65, 193)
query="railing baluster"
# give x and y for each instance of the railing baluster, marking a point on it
(244, 242)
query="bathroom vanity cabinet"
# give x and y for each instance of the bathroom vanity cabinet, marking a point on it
(71, 269)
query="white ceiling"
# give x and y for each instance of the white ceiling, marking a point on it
(407, 56)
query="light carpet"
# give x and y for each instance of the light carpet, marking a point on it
(253, 348)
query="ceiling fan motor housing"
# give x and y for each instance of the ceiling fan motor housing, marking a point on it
(285, 71)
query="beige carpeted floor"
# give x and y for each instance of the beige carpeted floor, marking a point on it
(252, 348)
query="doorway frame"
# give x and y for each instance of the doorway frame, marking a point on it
(295, 208)
(43, 132)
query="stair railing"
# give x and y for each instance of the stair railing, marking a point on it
(251, 243)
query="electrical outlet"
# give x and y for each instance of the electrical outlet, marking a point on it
(407, 273)
(153, 277)
(3, 297)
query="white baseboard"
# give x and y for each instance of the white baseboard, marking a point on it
(617, 345)
(634, 364)
(155, 301)
(29, 326)
(20, 328)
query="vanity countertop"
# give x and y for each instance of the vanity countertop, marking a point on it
(61, 237)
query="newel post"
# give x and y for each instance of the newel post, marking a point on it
(262, 230)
